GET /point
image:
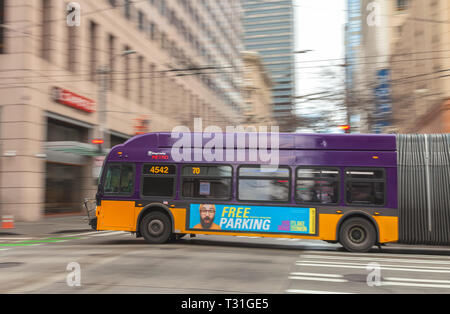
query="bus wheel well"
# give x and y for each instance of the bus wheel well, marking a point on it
(357, 215)
(149, 210)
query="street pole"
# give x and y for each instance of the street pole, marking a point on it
(103, 133)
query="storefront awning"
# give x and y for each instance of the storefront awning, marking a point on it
(76, 148)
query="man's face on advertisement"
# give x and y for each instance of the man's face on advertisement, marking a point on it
(207, 214)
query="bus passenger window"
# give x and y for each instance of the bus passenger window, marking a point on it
(318, 186)
(119, 180)
(259, 184)
(365, 187)
(207, 182)
(158, 181)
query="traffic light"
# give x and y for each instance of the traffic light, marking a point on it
(346, 128)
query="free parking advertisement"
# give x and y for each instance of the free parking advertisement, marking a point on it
(260, 219)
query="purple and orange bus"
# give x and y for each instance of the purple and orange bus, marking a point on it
(336, 188)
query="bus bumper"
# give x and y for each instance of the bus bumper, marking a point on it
(93, 223)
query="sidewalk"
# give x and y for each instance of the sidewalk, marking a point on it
(49, 226)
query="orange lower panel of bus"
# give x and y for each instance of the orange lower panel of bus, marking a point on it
(123, 216)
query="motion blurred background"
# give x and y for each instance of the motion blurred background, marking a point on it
(77, 78)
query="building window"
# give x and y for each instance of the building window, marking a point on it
(140, 95)
(402, 5)
(72, 34)
(259, 184)
(2, 29)
(127, 73)
(365, 186)
(46, 28)
(112, 59)
(59, 131)
(92, 50)
(127, 9)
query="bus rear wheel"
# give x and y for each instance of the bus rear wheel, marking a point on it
(156, 228)
(357, 235)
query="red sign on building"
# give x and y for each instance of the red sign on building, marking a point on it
(68, 98)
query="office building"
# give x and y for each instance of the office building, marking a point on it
(269, 30)
(104, 70)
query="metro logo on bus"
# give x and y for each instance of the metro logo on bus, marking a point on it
(158, 156)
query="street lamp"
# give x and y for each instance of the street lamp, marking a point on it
(103, 72)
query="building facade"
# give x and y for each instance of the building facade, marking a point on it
(257, 91)
(269, 30)
(73, 73)
(368, 49)
(421, 68)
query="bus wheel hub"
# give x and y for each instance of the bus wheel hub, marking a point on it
(156, 227)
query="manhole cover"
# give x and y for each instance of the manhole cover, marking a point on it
(9, 265)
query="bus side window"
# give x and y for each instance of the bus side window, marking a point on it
(158, 180)
(258, 184)
(366, 186)
(119, 179)
(317, 185)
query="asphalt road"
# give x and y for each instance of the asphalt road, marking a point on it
(117, 262)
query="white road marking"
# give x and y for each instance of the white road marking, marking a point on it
(296, 291)
(109, 234)
(383, 267)
(85, 234)
(14, 239)
(316, 279)
(418, 280)
(411, 284)
(317, 275)
(378, 259)
(375, 255)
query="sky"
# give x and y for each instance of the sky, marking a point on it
(320, 27)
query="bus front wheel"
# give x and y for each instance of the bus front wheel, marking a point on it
(357, 235)
(156, 228)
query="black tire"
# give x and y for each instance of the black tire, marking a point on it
(156, 228)
(357, 235)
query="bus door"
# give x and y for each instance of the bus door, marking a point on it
(117, 210)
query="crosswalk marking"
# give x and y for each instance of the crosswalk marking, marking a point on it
(365, 264)
(375, 255)
(378, 259)
(317, 279)
(382, 267)
(417, 280)
(317, 275)
(412, 284)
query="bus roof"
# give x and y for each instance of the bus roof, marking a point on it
(287, 141)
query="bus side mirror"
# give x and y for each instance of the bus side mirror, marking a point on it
(99, 194)
(100, 189)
